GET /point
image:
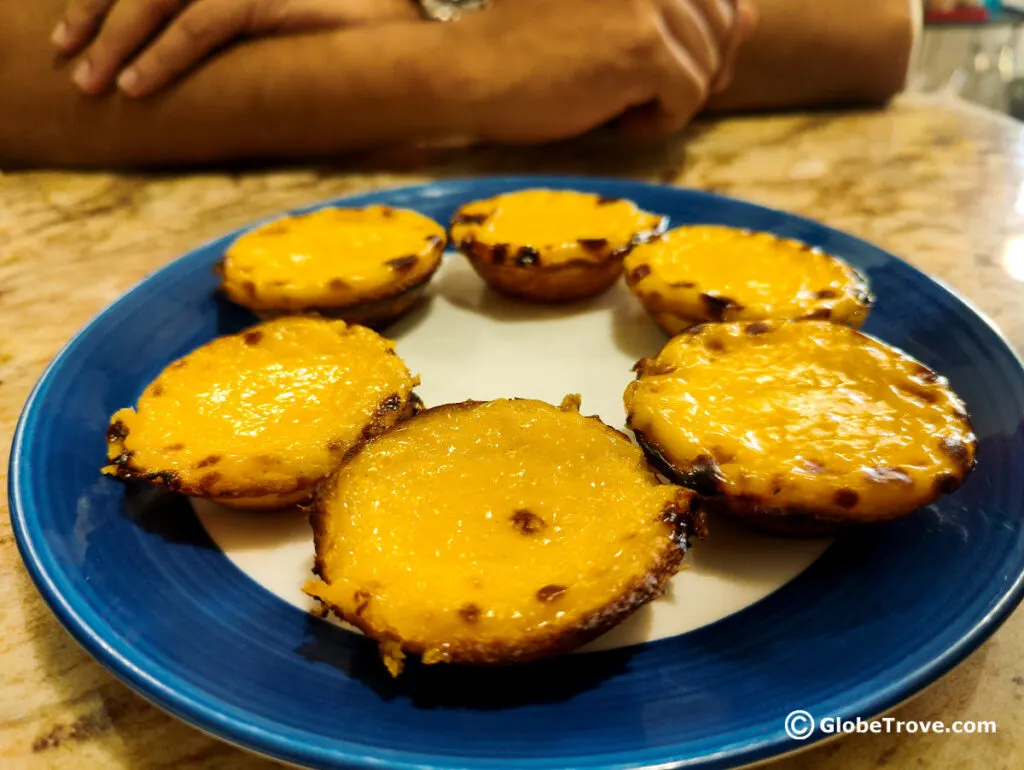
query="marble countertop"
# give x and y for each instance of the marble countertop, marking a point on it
(936, 182)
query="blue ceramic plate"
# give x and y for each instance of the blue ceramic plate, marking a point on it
(883, 612)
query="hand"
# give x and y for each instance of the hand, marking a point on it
(164, 39)
(542, 70)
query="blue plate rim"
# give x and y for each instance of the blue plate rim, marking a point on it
(203, 716)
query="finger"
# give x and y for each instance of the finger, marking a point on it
(690, 30)
(200, 29)
(308, 15)
(746, 24)
(127, 28)
(682, 89)
(207, 25)
(720, 15)
(79, 24)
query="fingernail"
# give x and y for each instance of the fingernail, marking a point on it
(61, 35)
(129, 82)
(82, 74)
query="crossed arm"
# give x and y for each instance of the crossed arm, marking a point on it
(504, 74)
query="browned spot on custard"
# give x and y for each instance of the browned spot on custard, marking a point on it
(721, 456)
(647, 367)
(593, 244)
(403, 264)
(390, 404)
(703, 475)
(335, 445)
(117, 431)
(954, 448)
(845, 498)
(387, 212)
(249, 288)
(469, 613)
(883, 475)
(169, 479)
(715, 306)
(337, 284)
(757, 328)
(926, 375)
(550, 593)
(252, 338)
(174, 447)
(946, 484)
(469, 219)
(206, 462)
(181, 363)
(362, 600)
(603, 200)
(682, 284)
(826, 294)
(819, 314)
(924, 394)
(499, 253)
(527, 256)
(527, 522)
(638, 273)
(208, 481)
(862, 295)
(714, 344)
(156, 390)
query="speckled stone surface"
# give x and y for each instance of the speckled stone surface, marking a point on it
(935, 182)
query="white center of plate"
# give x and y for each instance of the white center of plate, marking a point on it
(468, 343)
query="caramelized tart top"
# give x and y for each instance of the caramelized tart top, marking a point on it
(332, 257)
(715, 273)
(801, 414)
(271, 409)
(485, 532)
(553, 227)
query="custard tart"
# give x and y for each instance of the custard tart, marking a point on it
(701, 273)
(799, 427)
(363, 265)
(495, 532)
(551, 245)
(255, 420)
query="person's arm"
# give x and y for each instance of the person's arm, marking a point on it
(831, 52)
(302, 96)
(523, 71)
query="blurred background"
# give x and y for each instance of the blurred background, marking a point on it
(973, 49)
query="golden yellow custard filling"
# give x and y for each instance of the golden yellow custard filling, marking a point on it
(713, 273)
(268, 411)
(806, 415)
(552, 227)
(494, 532)
(332, 257)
